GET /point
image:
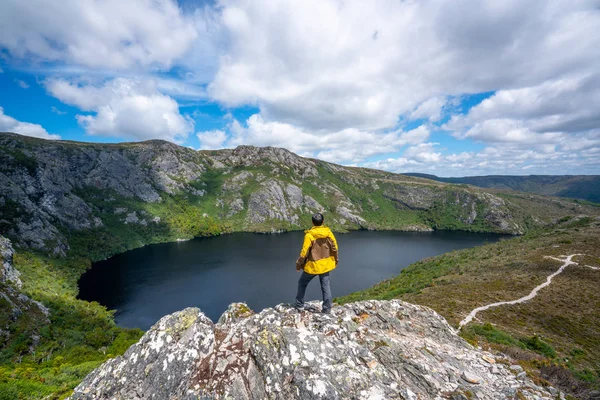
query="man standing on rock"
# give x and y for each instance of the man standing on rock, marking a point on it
(318, 257)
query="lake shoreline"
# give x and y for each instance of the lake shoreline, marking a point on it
(246, 243)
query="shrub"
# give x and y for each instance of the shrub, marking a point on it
(538, 345)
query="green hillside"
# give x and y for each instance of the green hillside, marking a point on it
(65, 204)
(555, 335)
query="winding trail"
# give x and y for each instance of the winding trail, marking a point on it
(566, 262)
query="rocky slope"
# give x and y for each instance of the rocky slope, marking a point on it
(138, 193)
(364, 350)
(18, 312)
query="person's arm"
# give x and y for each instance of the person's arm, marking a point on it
(336, 249)
(301, 261)
(305, 246)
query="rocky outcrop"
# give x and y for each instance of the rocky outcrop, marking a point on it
(19, 314)
(276, 200)
(43, 183)
(8, 274)
(363, 350)
(246, 156)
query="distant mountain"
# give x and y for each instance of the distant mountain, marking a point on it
(585, 187)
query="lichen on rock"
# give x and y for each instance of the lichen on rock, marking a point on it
(364, 350)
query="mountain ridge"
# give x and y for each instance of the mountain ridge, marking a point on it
(64, 187)
(585, 187)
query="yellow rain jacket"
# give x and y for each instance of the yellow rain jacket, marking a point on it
(319, 252)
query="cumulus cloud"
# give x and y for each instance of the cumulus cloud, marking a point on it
(333, 78)
(529, 126)
(561, 105)
(335, 65)
(124, 108)
(430, 109)
(110, 33)
(212, 140)
(10, 124)
(502, 158)
(347, 145)
(423, 152)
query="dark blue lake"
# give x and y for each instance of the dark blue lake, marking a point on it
(145, 284)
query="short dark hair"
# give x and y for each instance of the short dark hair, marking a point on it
(317, 219)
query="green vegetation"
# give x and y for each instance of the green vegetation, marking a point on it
(77, 338)
(80, 335)
(47, 356)
(175, 217)
(494, 335)
(17, 156)
(448, 213)
(552, 334)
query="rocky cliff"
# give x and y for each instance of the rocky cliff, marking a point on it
(56, 194)
(364, 350)
(18, 312)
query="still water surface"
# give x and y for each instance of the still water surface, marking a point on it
(145, 284)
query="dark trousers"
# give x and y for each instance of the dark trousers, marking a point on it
(325, 289)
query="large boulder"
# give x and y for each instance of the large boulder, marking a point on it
(363, 350)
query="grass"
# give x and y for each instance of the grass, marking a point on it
(79, 336)
(560, 325)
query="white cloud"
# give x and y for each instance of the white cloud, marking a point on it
(504, 159)
(124, 108)
(9, 124)
(22, 84)
(335, 65)
(544, 122)
(423, 152)
(506, 130)
(212, 140)
(347, 145)
(430, 109)
(110, 33)
(562, 105)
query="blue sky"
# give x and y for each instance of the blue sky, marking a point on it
(418, 86)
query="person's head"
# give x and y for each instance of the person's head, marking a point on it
(317, 219)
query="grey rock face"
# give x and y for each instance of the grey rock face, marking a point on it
(269, 202)
(252, 156)
(346, 213)
(235, 207)
(415, 197)
(363, 350)
(276, 200)
(15, 305)
(7, 272)
(46, 192)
